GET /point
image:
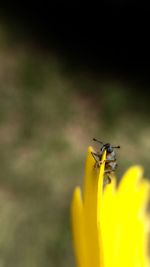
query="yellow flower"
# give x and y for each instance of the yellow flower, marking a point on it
(110, 226)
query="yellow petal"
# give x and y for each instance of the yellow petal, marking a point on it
(130, 181)
(110, 226)
(108, 220)
(78, 228)
(90, 204)
(130, 235)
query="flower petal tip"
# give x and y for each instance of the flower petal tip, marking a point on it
(138, 169)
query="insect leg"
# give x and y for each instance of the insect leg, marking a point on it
(109, 160)
(106, 161)
(108, 171)
(108, 179)
(96, 156)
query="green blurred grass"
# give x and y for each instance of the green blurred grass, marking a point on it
(48, 117)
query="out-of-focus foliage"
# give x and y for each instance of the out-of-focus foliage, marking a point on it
(48, 117)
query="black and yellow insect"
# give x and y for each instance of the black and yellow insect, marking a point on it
(110, 162)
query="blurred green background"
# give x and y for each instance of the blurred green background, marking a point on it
(49, 112)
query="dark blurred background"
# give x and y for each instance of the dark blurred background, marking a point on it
(67, 75)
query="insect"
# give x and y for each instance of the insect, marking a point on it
(110, 162)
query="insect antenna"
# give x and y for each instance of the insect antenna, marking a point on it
(115, 146)
(94, 139)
